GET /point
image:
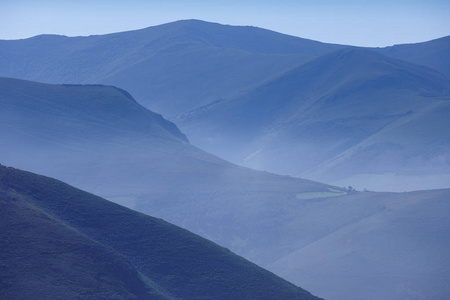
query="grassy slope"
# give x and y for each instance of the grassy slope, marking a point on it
(43, 258)
(66, 228)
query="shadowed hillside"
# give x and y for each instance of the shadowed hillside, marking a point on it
(61, 242)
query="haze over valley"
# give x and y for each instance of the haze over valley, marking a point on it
(267, 100)
(249, 138)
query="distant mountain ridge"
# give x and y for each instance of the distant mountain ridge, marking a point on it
(191, 57)
(188, 69)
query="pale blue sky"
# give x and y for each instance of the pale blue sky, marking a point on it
(361, 23)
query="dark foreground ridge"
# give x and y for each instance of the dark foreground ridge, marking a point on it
(61, 242)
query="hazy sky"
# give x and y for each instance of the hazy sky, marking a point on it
(354, 22)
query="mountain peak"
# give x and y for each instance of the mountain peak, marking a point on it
(248, 38)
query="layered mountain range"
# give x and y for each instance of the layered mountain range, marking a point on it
(79, 133)
(100, 139)
(344, 114)
(370, 118)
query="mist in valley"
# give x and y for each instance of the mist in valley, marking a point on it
(326, 164)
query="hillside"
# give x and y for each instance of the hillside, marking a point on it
(61, 242)
(74, 105)
(318, 119)
(170, 69)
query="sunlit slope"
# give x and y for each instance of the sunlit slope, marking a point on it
(325, 107)
(171, 68)
(61, 242)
